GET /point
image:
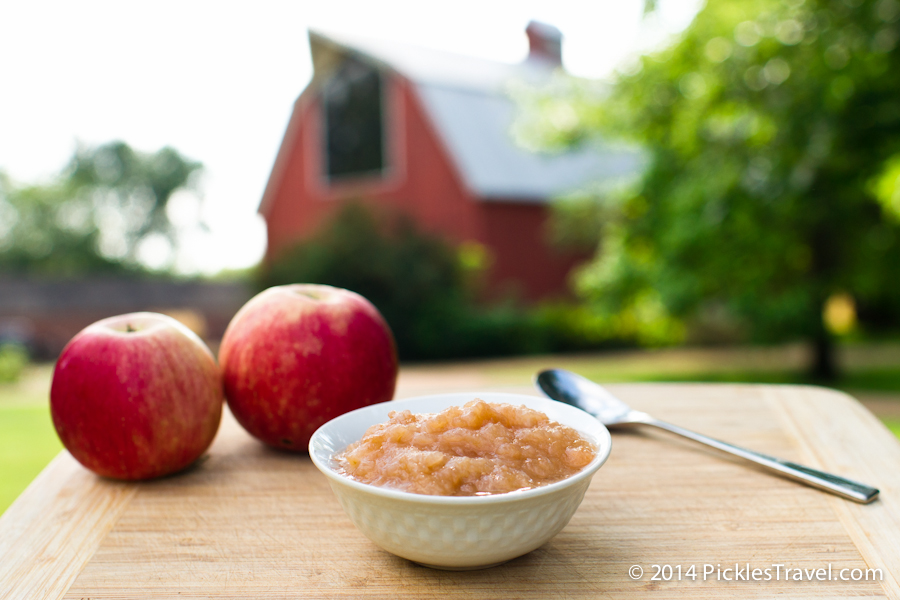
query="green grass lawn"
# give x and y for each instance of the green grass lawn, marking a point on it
(28, 440)
(878, 380)
(27, 443)
(893, 425)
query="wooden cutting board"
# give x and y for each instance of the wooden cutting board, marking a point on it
(252, 522)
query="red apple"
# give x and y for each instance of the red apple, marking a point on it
(136, 396)
(296, 356)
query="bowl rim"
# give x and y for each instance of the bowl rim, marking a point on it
(604, 447)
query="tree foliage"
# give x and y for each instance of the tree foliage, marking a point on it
(95, 215)
(773, 134)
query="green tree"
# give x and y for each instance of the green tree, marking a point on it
(772, 129)
(93, 217)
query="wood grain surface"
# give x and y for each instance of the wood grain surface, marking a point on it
(251, 522)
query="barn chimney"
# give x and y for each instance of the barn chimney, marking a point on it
(544, 43)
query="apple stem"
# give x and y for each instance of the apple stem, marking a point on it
(129, 328)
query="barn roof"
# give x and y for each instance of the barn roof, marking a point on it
(468, 102)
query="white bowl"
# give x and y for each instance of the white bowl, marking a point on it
(457, 532)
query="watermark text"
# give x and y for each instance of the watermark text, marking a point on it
(747, 572)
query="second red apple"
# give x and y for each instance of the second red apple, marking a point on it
(299, 355)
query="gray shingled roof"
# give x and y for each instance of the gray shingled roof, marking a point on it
(467, 100)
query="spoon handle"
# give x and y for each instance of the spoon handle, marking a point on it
(829, 482)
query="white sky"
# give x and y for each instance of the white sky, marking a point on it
(216, 80)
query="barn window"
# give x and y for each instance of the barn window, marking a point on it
(354, 123)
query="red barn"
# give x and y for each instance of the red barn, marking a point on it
(427, 133)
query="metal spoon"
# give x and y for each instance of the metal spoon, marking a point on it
(590, 397)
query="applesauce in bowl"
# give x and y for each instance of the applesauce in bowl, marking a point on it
(457, 531)
(476, 449)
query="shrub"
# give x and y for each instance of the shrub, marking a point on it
(415, 280)
(13, 359)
